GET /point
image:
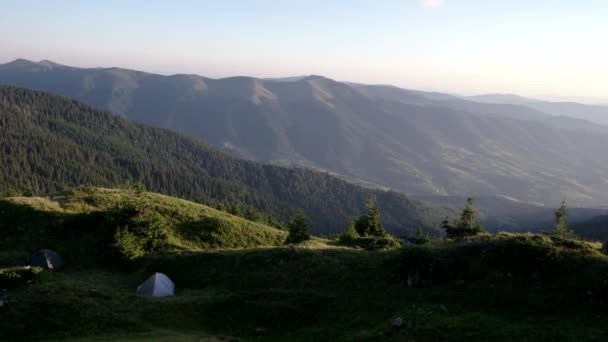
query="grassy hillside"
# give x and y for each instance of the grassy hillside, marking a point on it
(83, 224)
(236, 281)
(523, 288)
(418, 143)
(51, 144)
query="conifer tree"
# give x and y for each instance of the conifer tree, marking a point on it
(369, 223)
(463, 226)
(561, 229)
(298, 229)
(349, 233)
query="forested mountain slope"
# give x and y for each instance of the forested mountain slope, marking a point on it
(415, 142)
(50, 143)
(593, 229)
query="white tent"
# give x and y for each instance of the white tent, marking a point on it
(158, 285)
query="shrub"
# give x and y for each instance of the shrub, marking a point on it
(349, 233)
(18, 276)
(372, 243)
(139, 188)
(138, 229)
(298, 229)
(128, 244)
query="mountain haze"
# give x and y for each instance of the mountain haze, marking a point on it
(593, 113)
(424, 144)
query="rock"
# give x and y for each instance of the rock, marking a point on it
(397, 322)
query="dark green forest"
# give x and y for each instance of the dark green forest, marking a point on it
(50, 144)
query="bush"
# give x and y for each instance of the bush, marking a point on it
(372, 243)
(138, 230)
(349, 233)
(128, 244)
(298, 230)
(528, 257)
(18, 276)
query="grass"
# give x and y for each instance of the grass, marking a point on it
(503, 287)
(303, 294)
(79, 223)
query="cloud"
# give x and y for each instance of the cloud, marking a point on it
(431, 3)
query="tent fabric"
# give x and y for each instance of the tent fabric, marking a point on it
(157, 285)
(47, 259)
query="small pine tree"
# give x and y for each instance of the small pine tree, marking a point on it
(419, 233)
(369, 223)
(298, 229)
(560, 229)
(349, 233)
(139, 188)
(465, 225)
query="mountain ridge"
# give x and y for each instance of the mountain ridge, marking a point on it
(413, 142)
(54, 144)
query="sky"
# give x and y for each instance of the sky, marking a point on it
(528, 47)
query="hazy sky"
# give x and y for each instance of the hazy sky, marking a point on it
(529, 47)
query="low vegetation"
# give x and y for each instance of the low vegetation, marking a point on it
(125, 224)
(298, 229)
(237, 280)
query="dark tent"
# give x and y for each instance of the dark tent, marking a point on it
(47, 259)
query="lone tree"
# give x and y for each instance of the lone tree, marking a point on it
(369, 223)
(298, 229)
(560, 229)
(465, 225)
(349, 233)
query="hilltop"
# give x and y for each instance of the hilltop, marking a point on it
(83, 224)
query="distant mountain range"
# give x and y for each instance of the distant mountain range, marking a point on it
(50, 144)
(424, 144)
(593, 113)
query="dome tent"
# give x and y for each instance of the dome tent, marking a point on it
(157, 285)
(46, 259)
